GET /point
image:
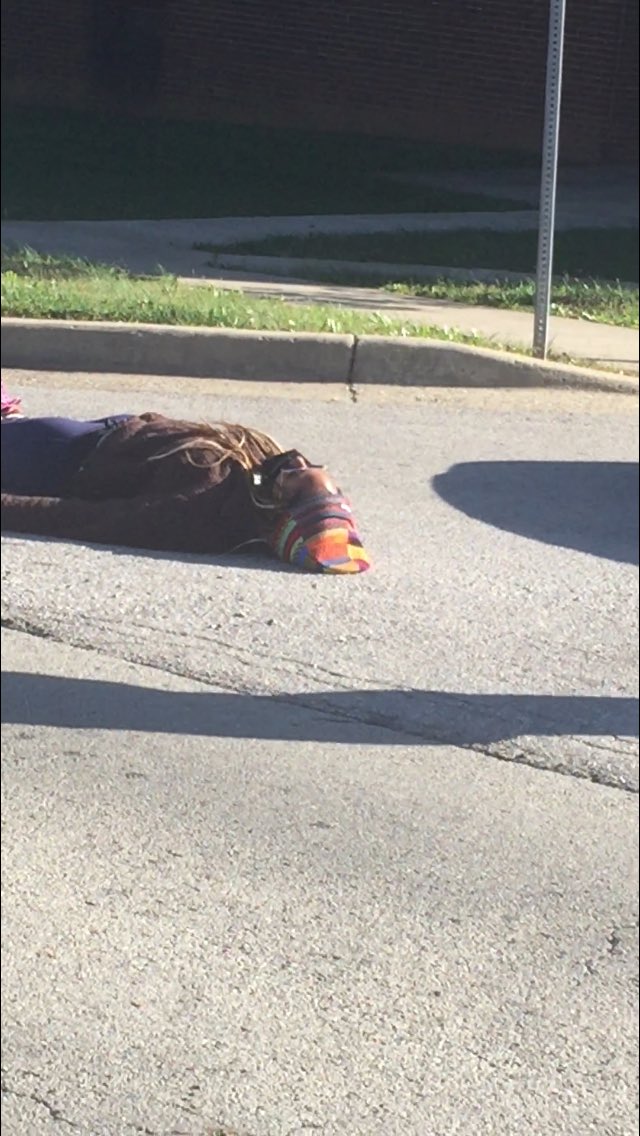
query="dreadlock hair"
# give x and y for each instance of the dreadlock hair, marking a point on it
(222, 441)
(227, 441)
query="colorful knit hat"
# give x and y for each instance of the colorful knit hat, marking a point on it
(319, 535)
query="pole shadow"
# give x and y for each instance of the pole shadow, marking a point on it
(375, 717)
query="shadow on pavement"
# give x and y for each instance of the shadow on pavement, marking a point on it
(588, 506)
(253, 556)
(376, 717)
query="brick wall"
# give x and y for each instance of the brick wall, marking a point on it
(442, 69)
(45, 54)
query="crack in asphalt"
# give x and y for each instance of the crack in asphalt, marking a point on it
(543, 762)
(351, 387)
(55, 1113)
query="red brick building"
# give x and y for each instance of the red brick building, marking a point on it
(446, 70)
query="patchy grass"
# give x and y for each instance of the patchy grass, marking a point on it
(34, 265)
(598, 300)
(60, 164)
(48, 287)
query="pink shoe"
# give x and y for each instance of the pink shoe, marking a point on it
(11, 407)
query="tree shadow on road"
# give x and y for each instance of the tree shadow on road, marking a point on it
(373, 717)
(588, 506)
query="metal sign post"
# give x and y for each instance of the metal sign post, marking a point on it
(549, 177)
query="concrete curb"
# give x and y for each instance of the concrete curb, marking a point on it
(150, 349)
(434, 363)
(61, 345)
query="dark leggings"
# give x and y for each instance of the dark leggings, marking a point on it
(40, 455)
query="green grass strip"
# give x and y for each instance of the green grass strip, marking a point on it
(45, 287)
(36, 286)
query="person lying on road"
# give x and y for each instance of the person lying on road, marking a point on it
(146, 481)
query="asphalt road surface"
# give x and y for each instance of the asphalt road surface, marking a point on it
(286, 854)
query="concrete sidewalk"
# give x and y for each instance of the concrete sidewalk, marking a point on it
(143, 246)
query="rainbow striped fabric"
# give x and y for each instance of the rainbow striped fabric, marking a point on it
(319, 535)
